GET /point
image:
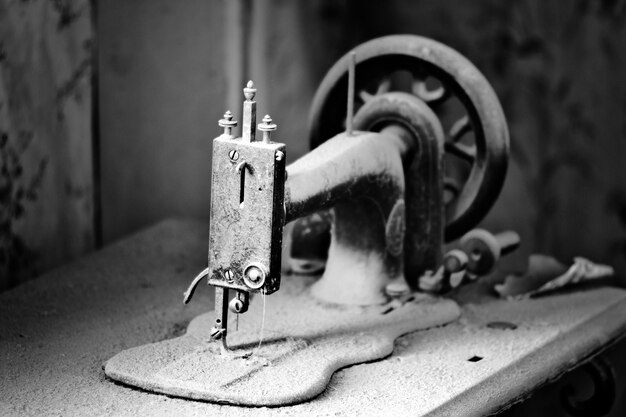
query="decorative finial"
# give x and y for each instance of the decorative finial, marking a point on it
(266, 127)
(250, 91)
(228, 123)
(248, 128)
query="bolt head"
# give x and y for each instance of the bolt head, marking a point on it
(254, 275)
(216, 333)
(235, 305)
(233, 155)
(229, 275)
(280, 155)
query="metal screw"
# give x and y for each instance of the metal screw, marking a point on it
(216, 333)
(279, 157)
(233, 155)
(228, 123)
(454, 261)
(266, 127)
(235, 305)
(229, 275)
(254, 275)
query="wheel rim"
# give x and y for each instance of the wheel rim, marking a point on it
(378, 62)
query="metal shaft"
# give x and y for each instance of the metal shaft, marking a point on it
(350, 111)
(221, 313)
(508, 241)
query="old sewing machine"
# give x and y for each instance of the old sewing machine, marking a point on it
(381, 173)
(377, 174)
(414, 163)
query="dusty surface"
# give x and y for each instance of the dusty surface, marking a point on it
(56, 333)
(305, 342)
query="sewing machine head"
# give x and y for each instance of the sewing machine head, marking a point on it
(378, 172)
(247, 215)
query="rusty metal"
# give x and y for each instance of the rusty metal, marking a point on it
(423, 170)
(247, 195)
(403, 115)
(381, 180)
(484, 249)
(362, 179)
(478, 254)
(220, 328)
(310, 242)
(247, 215)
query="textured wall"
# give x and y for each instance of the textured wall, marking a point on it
(162, 88)
(168, 71)
(46, 187)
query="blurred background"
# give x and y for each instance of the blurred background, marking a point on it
(108, 109)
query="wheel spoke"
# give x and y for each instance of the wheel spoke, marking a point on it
(460, 128)
(384, 86)
(465, 152)
(365, 96)
(429, 96)
(451, 188)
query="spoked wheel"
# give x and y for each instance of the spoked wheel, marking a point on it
(477, 141)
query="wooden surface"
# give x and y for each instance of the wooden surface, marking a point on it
(57, 331)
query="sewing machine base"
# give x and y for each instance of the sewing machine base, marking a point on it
(58, 330)
(304, 343)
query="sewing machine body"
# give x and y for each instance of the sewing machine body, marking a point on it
(382, 181)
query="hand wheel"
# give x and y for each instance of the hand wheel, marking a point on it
(470, 113)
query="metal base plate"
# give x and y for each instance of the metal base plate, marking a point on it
(304, 343)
